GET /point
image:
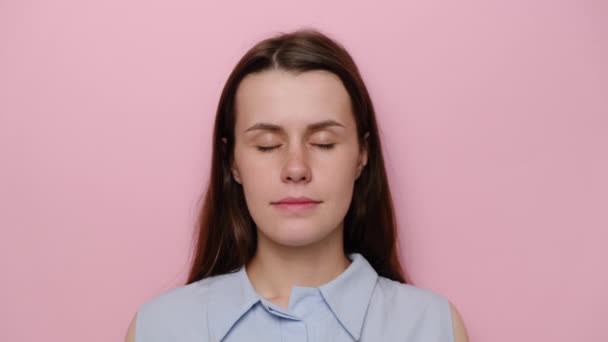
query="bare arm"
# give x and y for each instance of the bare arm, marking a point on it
(131, 331)
(460, 333)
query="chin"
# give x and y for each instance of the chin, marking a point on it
(295, 237)
(294, 240)
(296, 243)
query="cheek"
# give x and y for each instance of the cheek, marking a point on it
(336, 181)
(338, 169)
(254, 170)
(258, 179)
(339, 184)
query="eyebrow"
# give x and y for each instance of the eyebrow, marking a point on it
(311, 127)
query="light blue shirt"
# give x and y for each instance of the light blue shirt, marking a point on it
(357, 305)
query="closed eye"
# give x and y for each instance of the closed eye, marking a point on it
(266, 148)
(325, 146)
(321, 146)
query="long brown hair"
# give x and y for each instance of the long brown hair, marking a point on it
(226, 236)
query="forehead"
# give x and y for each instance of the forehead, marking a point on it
(282, 97)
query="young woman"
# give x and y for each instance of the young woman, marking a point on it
(297, 236)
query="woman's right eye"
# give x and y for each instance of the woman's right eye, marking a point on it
(266, 148)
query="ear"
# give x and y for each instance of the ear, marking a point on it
(235, 174)
(363, 154)
(233, 168)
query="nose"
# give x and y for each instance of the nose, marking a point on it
(296, 168)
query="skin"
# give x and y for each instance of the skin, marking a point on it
(301, 249)
(304, 249)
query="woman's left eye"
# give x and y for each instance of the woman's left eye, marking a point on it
(325, 146)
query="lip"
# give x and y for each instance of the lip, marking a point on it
(296, 205)
(296, 200)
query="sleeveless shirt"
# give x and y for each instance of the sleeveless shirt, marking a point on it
(357, 305)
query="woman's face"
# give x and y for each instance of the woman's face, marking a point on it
(277, 111)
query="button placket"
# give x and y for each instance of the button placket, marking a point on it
(294, 331)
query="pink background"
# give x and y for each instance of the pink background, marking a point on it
(493, 114)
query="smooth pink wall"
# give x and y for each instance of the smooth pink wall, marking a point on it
(494, 116)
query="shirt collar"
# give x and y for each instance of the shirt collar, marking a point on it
(348, 296)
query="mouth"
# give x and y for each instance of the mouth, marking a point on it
(296, 205)
(296, 200)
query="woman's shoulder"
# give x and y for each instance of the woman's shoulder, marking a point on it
(420, 309)
(417, 296)
(175, 297)
(175, 311)
(184, 297)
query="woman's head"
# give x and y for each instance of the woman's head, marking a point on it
(295, 136)
(295, 119)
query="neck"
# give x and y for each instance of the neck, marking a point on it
(275, 268)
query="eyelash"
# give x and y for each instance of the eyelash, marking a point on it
(268, 148)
